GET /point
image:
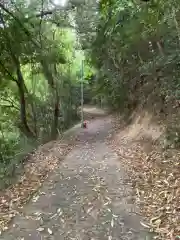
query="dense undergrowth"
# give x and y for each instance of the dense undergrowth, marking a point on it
(137, 53)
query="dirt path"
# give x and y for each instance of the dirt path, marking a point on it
(87, 197)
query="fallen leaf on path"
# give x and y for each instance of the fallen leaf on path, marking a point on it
(144, 225)
(40, 229)
(112, 223)
(50, 231)
(36, 170)
(89, 210)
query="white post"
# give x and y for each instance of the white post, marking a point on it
(82, 93)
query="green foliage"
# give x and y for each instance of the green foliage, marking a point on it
(39, 88)
(136, 42)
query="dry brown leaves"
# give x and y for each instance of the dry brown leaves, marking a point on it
(36, 170)
(156, 180)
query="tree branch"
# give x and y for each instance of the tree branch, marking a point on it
(10, 106)
(11, 103)
(20, 24)
(8, 73)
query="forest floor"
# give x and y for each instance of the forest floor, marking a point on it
(154, 171)
(94, 193)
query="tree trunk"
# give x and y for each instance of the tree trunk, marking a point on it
(19, 81)
(47, 73)
(21, 86)
(56, 108)
(56, 117)
(53, 85)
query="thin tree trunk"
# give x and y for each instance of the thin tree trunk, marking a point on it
(47, 73)
(21, 86)
(56, 108)
(56, 117)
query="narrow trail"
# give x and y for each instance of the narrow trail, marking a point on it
(87, 197)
